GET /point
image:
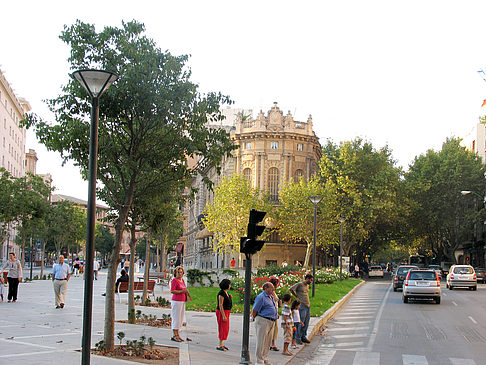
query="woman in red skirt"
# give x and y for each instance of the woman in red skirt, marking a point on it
(223, 311)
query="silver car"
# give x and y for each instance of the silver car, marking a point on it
(422, 284)
(462, 275)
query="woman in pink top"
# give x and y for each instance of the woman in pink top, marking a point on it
(178, 305)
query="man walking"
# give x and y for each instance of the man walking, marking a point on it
(60, 276)
(96, 267)
(265, 314)
(301, 292)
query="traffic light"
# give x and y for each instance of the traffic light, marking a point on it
(250, 244)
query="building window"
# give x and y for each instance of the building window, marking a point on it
(300, 147)
(273, 183)
(247, 174)
(298, 175)
(248, 146)
(274, 145)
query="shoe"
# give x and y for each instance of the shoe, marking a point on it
(58, 306)
(9, 301)
(220, 348)
(62, 305)
(294, 347)
(274, 348)
(176, 339)
(103, 295)
(14, 301)
(298, 342)
(227, 349)
(305, 340)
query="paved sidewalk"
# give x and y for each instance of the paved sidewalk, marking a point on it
(33, 332)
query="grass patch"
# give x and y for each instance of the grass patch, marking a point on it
(204, 298)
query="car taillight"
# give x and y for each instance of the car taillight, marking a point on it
(396, 278)
(438, 280)
(474, 277)
(452, 276)
(406, 283)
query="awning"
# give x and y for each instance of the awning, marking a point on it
(203, 234)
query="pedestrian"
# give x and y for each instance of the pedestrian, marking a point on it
(223, 310)
(356, 271)
(301, 292)
(287, 323)
(96, 268)
(180, 295)
(14, 276)
(123, 278)
(297, 322)
(76, 267)
(275, 283)
(126, 266)
(264, 313)
(61, 272)
(232, 263)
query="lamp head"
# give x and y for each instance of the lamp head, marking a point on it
(315, 199)
(95, 81)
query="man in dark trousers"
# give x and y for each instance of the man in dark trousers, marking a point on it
(301, 292)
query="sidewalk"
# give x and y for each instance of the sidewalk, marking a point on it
(33, 332)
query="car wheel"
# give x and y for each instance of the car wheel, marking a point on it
(405, 299)
(475, 288)
(447, 285)
(395, 289)
(450, 287)
(437, 300)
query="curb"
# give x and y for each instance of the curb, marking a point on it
(328, 315)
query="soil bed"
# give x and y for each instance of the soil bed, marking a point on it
(155, 355)
(153, 322)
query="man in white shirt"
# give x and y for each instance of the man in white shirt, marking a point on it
(96, 267)
(60, 276)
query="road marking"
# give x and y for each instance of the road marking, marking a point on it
(343, 344)
(414, 360)
(350, 312)
(473, 320)
(50, 335)
(27, 343)
(366, 358)
(454, 303)
(377, 319)
(31, 353)
(351, 336)
(324, 358)
(347, 329)
(351, 322)
(455, 361)
(354, 316)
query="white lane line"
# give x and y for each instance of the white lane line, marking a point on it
(377, 320)
(472, 320)
(50, 335)
(347, 329)
(366, 358)
(351, 322)
(454, 303)
(350, 312)
(324, 358)
(27, 344)
(414, 360)
(343, 344)
(354, 335)
(455, 361)
(31, 353)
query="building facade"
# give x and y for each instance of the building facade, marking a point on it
(273, 149)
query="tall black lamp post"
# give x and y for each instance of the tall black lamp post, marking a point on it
(341, 221)
(315, 200)
(95, 82)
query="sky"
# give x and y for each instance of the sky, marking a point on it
(396, 73)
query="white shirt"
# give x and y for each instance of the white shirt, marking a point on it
(96, 265)
(61, 271)
(296, 315)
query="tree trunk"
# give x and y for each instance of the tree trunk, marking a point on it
(147, 269)
(42, 259)
(158, 258)
(131, 300)
(307, 254)
(109, 330)
(23, 250)
(163, 252)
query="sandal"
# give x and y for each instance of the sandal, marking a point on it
(274, 348)
(188, 339)
(227, 349)
(176, 339)
(220, 348)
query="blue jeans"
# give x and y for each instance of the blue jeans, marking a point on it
(297, 326)
(305, 318)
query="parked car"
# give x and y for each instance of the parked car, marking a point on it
(376, 271)
(400, 274)
(480, 274)
(461, 276)
(437, 269)
(422, 283)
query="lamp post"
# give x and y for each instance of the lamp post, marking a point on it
(341, 221)
(95, 82)
(315, 200)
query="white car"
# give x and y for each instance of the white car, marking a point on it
(461, 276)
(376, 271)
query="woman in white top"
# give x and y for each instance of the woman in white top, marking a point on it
(14, 276)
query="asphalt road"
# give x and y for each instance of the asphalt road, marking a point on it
(376, 327)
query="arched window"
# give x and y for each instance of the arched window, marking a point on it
(273, 183)
(247, 174)
(298, 174)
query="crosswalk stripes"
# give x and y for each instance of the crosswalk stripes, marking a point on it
(414, 360)
(366, 358)
(455, 361)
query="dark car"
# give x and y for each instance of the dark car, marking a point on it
(481, 274)
(400, 274)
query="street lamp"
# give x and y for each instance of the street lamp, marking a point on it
(315, 200)
(95, 82)
(341, 221)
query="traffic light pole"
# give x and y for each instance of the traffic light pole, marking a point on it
(245, 353)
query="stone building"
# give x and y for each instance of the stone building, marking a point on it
(273, 149)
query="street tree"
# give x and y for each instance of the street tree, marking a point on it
(227, 215)
(441, 217)
(151, 120)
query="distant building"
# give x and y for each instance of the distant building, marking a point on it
(101, 210)
(273, 149)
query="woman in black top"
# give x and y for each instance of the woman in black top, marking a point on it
(223, 310)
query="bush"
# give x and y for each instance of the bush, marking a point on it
(197, 276)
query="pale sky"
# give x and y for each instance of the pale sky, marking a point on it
(401, 73)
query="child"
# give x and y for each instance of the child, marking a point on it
(297, 322)
(287, 322)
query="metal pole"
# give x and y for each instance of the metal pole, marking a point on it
(314, 253)
(245, 353)
(90, 248)
(340, 254)
(31, 256)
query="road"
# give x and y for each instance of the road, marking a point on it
(375, 327)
